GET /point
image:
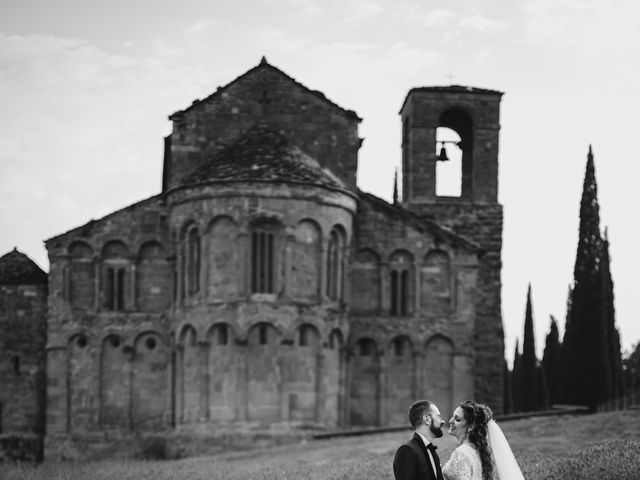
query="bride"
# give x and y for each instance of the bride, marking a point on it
(483, 453)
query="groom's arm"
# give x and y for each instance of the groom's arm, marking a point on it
(404, 464)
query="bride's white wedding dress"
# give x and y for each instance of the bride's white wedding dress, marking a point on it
(465, 463)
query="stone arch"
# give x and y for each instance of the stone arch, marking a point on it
(188, 381)
(223, 360)
(149, 381)
(115, 375)
(435, 295)
(401, 283)
(459, 119)
(79, 282)
(224, 276)
(306, 252)
(364, 396)
(400, 379)
(264, 381)
(438, 372)
(82, 386)
(153, 278)
(365, 282)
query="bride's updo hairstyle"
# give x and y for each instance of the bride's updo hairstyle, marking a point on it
(477, 416)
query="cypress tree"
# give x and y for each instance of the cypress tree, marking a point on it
(507, 397)
(587, 370)
(516, 390)
(529, 363)
(551, 362)
(613, 335)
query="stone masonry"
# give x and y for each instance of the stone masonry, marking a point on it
(261, 296)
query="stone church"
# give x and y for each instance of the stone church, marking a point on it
(261, 292)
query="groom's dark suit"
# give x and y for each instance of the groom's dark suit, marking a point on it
(412, 461)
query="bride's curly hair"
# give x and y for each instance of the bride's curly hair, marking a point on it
(477, 416)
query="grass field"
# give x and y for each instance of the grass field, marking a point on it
(603, 446)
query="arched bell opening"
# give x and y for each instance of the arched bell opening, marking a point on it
(454, 154)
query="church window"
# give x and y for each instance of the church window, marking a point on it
(223, 335)
(334, 266)
(366, 347)
(15, 362)
(114, 289)
(398, 347)
(263, 334)
(305, 335)
(192, 269)
(150, 343)
(400, 284)
(81, 341)
(262, 261)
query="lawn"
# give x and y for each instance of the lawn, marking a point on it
(603, 446)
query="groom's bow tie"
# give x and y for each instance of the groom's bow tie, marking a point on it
(432, 447)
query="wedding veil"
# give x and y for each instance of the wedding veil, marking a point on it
(505, 463)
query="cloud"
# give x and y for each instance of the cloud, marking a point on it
(482, 24)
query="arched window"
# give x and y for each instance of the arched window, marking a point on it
(263, 260)
(454, 152)
(192, 267)
(400, 283)
(116, 266)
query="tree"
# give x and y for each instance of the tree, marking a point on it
(587, 369)
(551, 362)
(613, 335)
(530, 399)
(507, 397)
(516, 390)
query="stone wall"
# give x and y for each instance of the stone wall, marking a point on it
(22, 342)
(427, 352)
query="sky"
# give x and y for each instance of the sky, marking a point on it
(86, 88)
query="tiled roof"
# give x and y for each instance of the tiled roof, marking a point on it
(263, 155)
(18, 269)
(420, 223)
(266, 65)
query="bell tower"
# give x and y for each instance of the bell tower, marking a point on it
(474, 116)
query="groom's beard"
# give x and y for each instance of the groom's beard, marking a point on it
(437, 431)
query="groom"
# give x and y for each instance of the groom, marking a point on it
(417, 459)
